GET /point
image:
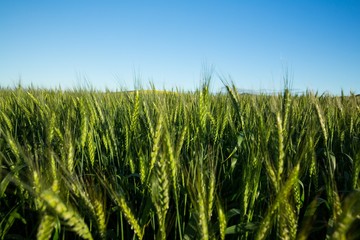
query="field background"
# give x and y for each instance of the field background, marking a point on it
(83, 164)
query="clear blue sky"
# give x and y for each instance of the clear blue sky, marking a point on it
(111, 43)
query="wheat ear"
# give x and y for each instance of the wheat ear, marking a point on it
(46, 227)
(70, 217)
(281, 196)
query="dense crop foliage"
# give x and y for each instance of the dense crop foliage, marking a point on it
(172, 165)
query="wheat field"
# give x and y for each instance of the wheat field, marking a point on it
(83, 164)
